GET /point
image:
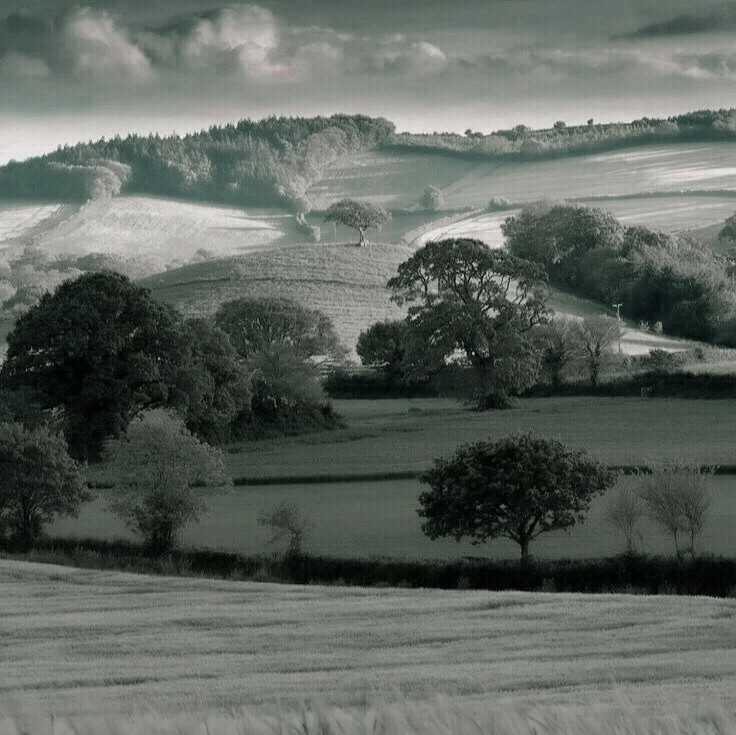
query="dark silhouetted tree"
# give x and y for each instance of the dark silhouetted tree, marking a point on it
(100, 348)
(516, 488)
(465, 296)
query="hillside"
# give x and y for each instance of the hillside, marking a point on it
(277, 160)
(118, 644)
(197, 255)
(345, 282)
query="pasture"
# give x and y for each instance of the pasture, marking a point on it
(378, 517)
(114, 652)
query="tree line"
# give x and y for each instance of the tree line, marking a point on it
(274, 161)
(524, 143)
(654, 276)
(271, 162)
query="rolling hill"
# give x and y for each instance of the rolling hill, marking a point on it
(197, 255)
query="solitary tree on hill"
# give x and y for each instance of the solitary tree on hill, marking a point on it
(516, 488)
(361, 216)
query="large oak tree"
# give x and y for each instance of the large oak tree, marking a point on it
(516, 488)
(100, 349)
(482, 303)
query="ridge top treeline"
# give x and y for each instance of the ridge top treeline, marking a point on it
(274, 161)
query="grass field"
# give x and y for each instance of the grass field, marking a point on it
(378, 517)
(122, 648)
(399, 435)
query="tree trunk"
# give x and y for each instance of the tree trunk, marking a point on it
(524, 543)
(361, 242)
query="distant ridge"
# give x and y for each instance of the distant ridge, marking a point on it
(273, 162)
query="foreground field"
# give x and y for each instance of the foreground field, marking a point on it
(87, 644)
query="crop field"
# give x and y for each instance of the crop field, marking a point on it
(660, 168)
(378, 517)
(347, 283)
(396, 180)
(81, 644)
(160, 232)
(17, 218)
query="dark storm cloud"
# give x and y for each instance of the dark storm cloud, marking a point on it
(702, 21)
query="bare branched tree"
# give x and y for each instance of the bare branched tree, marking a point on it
(287, 523)
(677, 498)
(624, 511)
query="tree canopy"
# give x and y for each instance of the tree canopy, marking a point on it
(254, 324)
(361, 216)
(38, 482)
(516, 487)
(655, 276)
(383, 345)
(100, 348)
(213, 385)
(162, 474)
(467, 297)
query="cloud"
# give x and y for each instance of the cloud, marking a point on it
(232, 39)
(93, 45)
(550, 64)
(83, 43)
(698, 22)
(718, 64)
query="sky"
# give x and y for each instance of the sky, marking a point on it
(72, 70)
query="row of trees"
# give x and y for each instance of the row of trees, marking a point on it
(674, 495)
(524, 485)
(99, 370)
(159, 472)
(562, 140)
(479, 326)
(392, 348)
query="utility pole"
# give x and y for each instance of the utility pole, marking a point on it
(618, 323)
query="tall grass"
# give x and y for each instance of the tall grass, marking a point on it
(441, 716)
